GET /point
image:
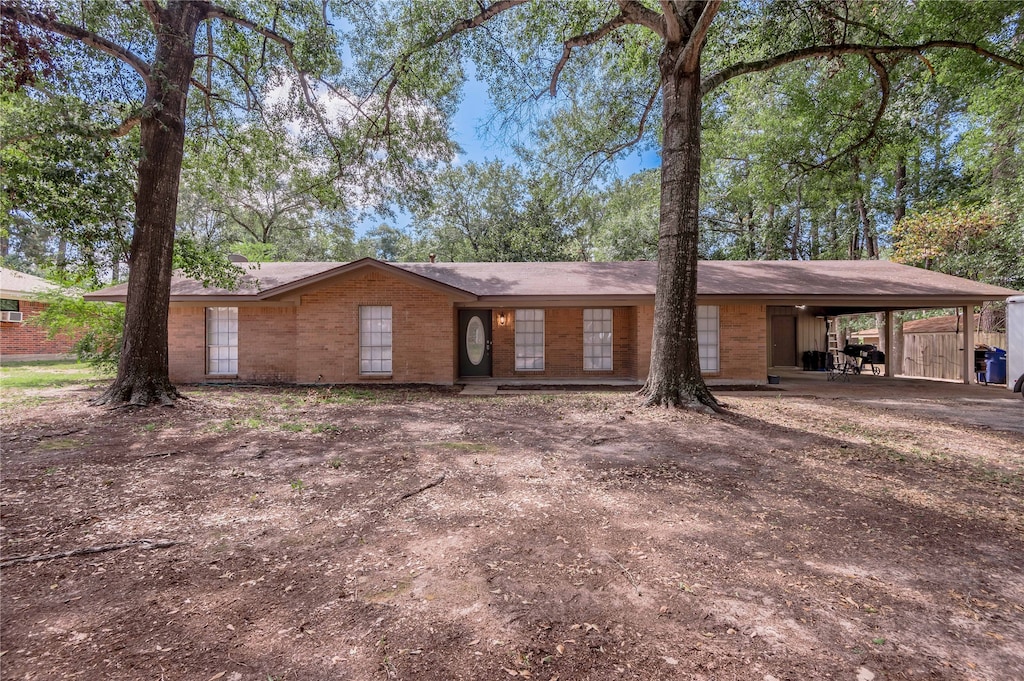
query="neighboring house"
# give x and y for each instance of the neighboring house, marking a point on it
(865, 337)
(19, 302)
(374, 322)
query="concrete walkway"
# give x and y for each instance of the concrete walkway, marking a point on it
(478, 390)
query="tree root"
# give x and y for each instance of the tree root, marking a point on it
(138, 393)
(697, 399)
(38, 558)
(433, 483)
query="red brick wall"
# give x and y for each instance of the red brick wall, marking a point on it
(563, 345)
(327, 330)
(28, 339)
(267, 351)
(186, 344)
(741, 343)
(266, 344)
(319, 339)
(644, 334)
(742, 348)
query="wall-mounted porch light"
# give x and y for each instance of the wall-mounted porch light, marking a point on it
(502, 319)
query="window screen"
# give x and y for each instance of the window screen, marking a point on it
(707, 337)
(597, 339)
(222, 340)
(529, 340)
(375, 339)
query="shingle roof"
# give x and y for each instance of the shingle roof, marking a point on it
(14, 284)
(828, 280)
(943, 324)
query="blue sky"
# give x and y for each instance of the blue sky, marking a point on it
(478, 145)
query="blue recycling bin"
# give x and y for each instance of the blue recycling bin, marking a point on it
(995, 366)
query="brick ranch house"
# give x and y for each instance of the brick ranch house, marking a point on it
(19, 302)
(369, 321)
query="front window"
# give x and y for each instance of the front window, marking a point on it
(597, 339)
(9, 305)
(222, 340)
(375, 339)
(529, 340)
(707, 337)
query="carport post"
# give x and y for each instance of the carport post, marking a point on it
(890, 343)
(968, 367)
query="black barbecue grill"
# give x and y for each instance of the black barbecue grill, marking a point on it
(859, 356)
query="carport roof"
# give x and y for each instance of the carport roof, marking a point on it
(824, 283)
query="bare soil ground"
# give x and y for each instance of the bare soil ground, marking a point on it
(340, 534)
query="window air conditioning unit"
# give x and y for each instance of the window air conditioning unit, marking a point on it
(10, 316)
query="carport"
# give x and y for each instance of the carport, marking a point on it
(803, 302)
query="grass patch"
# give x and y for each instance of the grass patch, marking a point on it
(59, 444)
(47, 374)
(346, 396)
(19, 400)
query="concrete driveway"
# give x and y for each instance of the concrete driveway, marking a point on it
(988, 406)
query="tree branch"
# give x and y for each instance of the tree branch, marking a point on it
(23, 16)
(582, 41)
(643, 16)
(218, 12)
(486, 13)
(611, 151)
(885, 87)
(154, 12)
(127, 125)
(398, 68)
(847, 21)
(819, 51)
(690, 56)
(673, 32)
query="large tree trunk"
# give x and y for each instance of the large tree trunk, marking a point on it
(142, 372)
(675, 379)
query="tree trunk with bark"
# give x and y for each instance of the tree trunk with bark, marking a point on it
(794, 244)
(142, 372)
(675, 379)
(900, 211)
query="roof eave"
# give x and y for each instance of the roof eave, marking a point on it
(455, 292)
(563, 300)
(867, 300)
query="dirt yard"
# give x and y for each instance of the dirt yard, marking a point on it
(340, 534)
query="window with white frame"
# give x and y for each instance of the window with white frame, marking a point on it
(597, 339)
(529, 340)
(375, 339)
(707, 337)
(222, 340)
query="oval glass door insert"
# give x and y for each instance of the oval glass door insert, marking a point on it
(475, 341)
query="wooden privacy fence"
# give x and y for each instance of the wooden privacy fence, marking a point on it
(937, 355)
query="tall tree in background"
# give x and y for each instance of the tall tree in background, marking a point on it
(492, 212)
(241, 57)
(258, 191)
(67, 184)
(619, 60)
